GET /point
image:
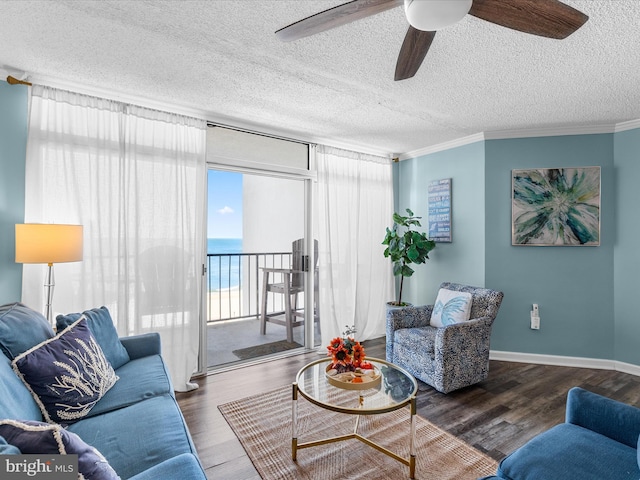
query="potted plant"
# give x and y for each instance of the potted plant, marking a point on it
(405, 246)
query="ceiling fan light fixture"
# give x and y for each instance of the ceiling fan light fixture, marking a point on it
(432, 15)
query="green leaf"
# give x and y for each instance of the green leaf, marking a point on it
(399, 219)
(413, 253)
(407, 271)
(406, 245)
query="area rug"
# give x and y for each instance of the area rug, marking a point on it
(263, 423)
(265, 349)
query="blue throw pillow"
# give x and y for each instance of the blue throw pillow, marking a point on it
(21, 328)
(7, 449)
(450, 307)
(37, 438)
(102, 327)
(67, 374)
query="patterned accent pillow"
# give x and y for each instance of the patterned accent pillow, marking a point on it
(37, 438)
(451, 307)
(67, 374)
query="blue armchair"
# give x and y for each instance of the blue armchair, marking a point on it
(448, 357)
(598, 440)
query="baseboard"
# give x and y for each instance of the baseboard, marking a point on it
(628, 368)
(565, 361)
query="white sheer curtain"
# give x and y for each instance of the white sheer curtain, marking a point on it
(135, 179)
(355, 205)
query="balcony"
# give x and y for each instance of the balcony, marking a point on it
(234, 290)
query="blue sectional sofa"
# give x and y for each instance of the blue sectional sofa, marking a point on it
(136, 425)
(599, 440)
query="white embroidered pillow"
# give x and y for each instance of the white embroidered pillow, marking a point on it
(66, 374)
(451, 307)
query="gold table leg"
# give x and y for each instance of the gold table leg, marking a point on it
(412, 440)
(294, 422)
(410, 462)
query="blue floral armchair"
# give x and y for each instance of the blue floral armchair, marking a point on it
(450, 357)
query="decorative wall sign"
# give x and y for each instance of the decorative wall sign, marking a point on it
(439, 198)
(555, 206)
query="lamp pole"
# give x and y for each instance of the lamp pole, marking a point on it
(49, 284)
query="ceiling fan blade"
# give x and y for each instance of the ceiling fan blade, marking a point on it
(414, 48)
(546, 18)
(335, 17)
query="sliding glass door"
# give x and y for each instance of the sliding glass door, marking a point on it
(260, 263)
(255, 229)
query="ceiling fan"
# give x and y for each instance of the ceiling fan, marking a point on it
(546, 18)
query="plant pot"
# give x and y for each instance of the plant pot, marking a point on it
(394, 306)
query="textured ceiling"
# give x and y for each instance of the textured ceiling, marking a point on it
(220, 59)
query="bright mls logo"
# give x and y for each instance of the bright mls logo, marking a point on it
(49, 467)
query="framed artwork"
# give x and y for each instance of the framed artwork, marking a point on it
(555, 206)
(439, 197)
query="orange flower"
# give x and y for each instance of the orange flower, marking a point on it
(341, 357)
(346, 353)
(358, 354)
(335, 345)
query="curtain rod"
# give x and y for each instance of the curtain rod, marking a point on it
(14, 81)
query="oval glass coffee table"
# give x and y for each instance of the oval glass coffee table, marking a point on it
(396, 390)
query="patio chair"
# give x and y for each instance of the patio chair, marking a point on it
(290, 283)
(446, 357)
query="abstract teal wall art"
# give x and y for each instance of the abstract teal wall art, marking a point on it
(556, 206)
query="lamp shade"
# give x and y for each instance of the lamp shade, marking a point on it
(48, 243)
(432, 15)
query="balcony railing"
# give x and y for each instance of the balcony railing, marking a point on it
(234, 284)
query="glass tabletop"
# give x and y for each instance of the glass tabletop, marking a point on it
(395, 390)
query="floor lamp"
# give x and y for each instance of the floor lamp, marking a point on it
(48, 243)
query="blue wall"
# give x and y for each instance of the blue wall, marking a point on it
(585, 294)
(572, 285)
(627, 248)
(463, 260)
(13, 141)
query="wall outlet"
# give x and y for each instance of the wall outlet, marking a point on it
(535, 317)
(535, 322)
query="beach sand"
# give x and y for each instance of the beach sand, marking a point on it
(223, 304)
(232, 303)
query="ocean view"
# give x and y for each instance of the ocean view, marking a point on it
(224, 245)
(221, 275)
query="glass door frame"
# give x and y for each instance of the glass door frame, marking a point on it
(308, 177)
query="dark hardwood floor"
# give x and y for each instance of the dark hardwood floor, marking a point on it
(515, 403)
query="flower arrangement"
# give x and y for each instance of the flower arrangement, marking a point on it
(346, 353)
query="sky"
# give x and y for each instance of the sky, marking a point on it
(224, 205)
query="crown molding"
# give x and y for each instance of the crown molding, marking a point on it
(549, 132)
(459, 142)
(524, 133)
(624, 126)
